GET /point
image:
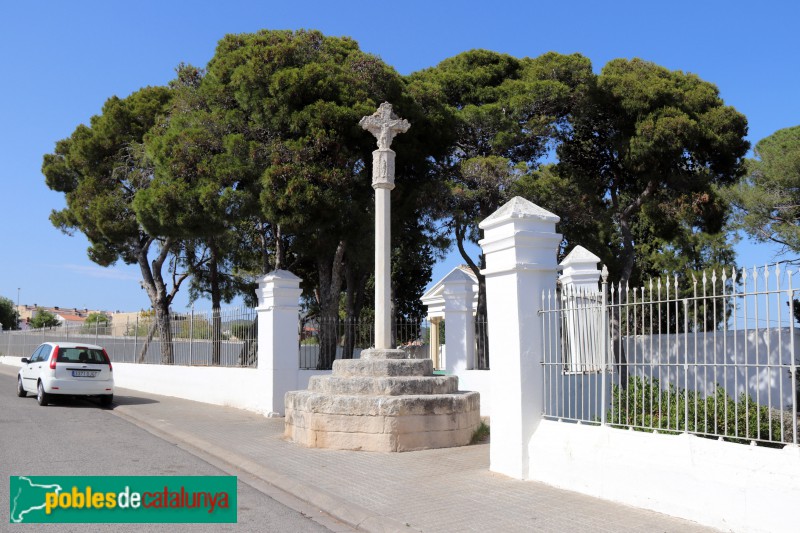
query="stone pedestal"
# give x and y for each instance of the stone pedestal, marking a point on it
(382, 402)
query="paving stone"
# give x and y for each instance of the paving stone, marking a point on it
(429, 490)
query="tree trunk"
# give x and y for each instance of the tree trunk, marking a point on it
(481, 315)
(354, 301)
(263, 241)
(216, 304)
(330, 287)
(165, 334)
(153, 284)
(628, 259)
(146, 346)
(280, 250)
(248, 355)
(628, 254)
(481, 326)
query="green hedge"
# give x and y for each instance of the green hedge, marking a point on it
(646, 406)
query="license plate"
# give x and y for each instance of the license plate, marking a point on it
(84, 373)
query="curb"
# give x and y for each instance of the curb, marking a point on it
(354, 515)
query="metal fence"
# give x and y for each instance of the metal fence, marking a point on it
(715, 356)
(220, 337)
(324, 339)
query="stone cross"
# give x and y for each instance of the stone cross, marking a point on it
(384, 125)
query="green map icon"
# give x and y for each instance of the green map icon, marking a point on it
(27, 499)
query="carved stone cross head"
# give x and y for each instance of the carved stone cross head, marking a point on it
(384, 125)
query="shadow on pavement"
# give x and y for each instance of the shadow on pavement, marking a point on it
(80, 402)
(73, 402)
(132, 400)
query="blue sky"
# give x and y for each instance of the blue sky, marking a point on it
(61, 60)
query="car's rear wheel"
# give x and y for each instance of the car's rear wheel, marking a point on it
(106, 399)
(21, 392)
(41, 396)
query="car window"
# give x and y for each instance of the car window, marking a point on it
(45, 355)
(35, 357)
(81, 355)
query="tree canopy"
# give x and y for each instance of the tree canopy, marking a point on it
(96, 169)
(500, 116)
(101, 168)
(295, 100)
(44, 319)
(9, 317)
(257, 162)
(647, 148)
(767, 199)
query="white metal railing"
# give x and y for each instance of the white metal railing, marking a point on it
(219, 337)
(716, 357)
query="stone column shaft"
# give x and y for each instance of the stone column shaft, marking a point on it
(384, 125)
(383, 269)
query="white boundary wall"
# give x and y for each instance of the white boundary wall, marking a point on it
(232, 387)
(719, 484)
(242, 388)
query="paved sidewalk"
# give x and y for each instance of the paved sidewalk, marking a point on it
(448, 490)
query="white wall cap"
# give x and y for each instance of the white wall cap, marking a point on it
(518, 207)
(457, 291)
(580, 270)
(580, 255)
(281, 287)
(435, 291)
(458, 276)
(434, 298)
(279, 275)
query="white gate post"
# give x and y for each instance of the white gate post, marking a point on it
(459, 333)
(582, 332)
(278, 337)
(520, 245)
(580, 270)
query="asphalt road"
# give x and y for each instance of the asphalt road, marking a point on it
(77, 437)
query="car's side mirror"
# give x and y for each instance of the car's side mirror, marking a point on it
(23, 360)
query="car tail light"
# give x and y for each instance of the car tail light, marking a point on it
(108, 360)
(53, 358)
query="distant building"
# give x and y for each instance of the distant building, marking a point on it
(67, 316)
(70, 318)
(124, 323)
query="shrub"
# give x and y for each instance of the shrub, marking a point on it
(645, 405)
(44, 319)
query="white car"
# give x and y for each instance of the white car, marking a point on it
(69, 369)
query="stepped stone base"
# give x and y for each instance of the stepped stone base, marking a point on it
(380, 403)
